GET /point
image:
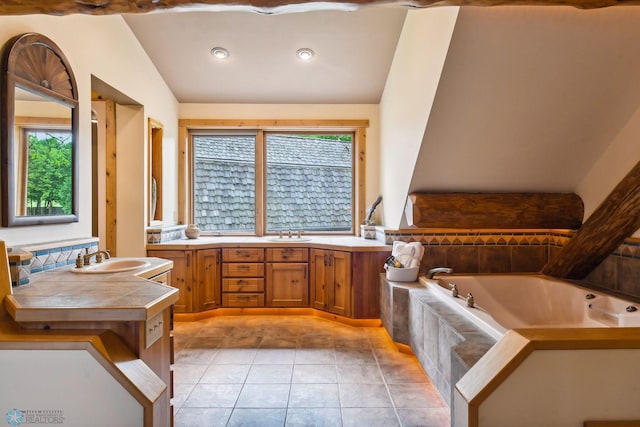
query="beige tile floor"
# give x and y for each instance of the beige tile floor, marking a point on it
(297, 371)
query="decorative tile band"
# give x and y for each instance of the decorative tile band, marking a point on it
(49, 256)
(478, 238)
(555, 238)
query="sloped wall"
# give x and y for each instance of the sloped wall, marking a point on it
(532, 99)
(407, 99)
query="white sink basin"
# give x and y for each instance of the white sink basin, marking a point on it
(288, 239)
(112, 266)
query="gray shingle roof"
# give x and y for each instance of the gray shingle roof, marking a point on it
(309, 184)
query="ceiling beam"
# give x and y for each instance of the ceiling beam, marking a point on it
(114, 7)
(617, 218)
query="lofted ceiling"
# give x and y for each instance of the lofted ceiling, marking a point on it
(353, 54)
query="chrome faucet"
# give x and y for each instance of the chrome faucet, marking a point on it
(100, 255)
(470, 301)
(437, 270)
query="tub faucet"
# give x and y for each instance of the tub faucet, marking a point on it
(470, 301)
(437, 270)
(454, 290)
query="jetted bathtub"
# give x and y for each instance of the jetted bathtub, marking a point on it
(504, 302)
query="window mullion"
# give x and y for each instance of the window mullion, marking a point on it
(260, 183)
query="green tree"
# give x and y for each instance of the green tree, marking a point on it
(49, 176)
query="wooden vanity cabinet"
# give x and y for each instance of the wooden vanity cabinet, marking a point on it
(287, 277)
(331, 281)
(344, 283)
(339, 282)
(243, 277)
(197, 275)
(207, 295)
(181, 277)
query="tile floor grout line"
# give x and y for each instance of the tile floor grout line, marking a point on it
(348, 342)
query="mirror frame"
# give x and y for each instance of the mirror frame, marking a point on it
(33, 62)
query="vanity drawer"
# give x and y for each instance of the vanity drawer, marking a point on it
(243, 300)
(242, 270)
(242, 254)
(287, 254)
(243, 285)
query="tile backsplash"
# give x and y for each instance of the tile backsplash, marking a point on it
(518, 251)
(30, 259)
(165, 234)
(483, 251)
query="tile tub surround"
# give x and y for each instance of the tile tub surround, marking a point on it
(483, 251)
(446, 344)
(297, 371)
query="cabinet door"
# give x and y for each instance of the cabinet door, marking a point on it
(181, 277)
(340, 283)
(287, 285)
(208, 279)
(319, 270)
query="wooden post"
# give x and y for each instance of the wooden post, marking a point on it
(617, 218)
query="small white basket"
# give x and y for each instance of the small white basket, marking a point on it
(402, 274)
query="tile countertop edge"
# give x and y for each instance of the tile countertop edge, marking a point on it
(342, 243)
(21, 311)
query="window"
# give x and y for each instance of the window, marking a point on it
(265, 181)
(309, 182)
(224, 182)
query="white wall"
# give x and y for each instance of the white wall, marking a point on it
(105, 47)
(70, 381)
(407, 100)
(304, 111)
(564, 388)
(131, 211)
(612, 166)
(530, 99)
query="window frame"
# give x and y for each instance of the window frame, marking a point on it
(186, 169)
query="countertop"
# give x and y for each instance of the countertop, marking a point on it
(61, 295)
(344, 243)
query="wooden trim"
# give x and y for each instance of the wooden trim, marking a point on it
(111, 190)
(5, 280)
(276, 311)
(271, 124)
(508, 354)
(617, 218)
(261, 180)
(360, 176)
(155, 131)
(184, 201)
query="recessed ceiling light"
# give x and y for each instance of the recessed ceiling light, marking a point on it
(304, 54)
(220, 53)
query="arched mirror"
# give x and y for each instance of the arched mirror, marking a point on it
(38, 133)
